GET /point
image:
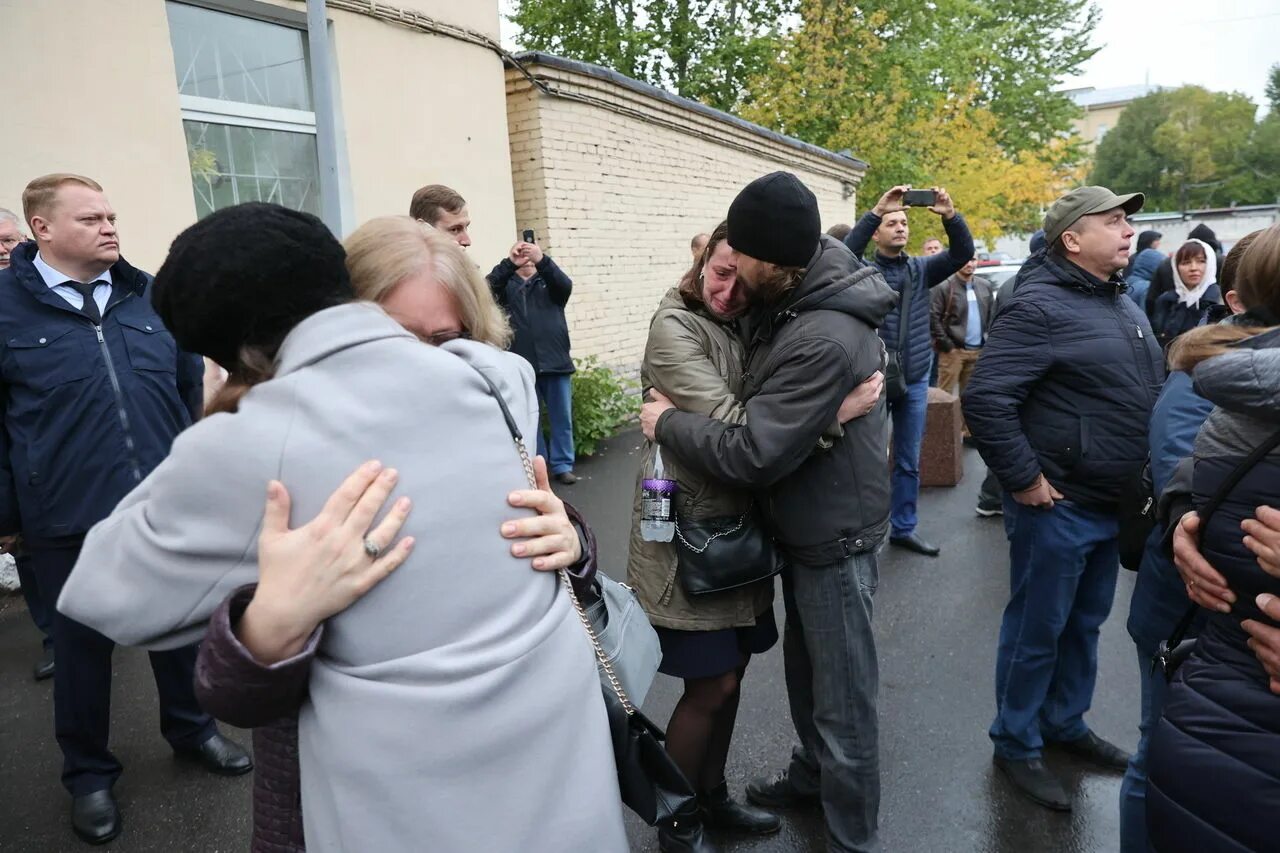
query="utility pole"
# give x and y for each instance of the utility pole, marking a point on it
(322, 97)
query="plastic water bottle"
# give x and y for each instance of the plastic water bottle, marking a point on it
(657, 504)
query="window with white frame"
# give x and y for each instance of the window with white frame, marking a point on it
(246, 109)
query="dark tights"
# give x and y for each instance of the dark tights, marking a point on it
(701, 726)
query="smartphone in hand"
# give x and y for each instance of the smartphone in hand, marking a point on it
(920, 198)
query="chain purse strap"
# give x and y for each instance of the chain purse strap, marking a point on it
(713, 537)
(606, 666)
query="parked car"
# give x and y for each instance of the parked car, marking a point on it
(999, 274)
(991, 259)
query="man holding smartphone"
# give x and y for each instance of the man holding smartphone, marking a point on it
(910, 339)
(534, 291)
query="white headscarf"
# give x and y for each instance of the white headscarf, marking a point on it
(1191, 296)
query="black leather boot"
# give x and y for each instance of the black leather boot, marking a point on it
(685, 834)
(720, 811)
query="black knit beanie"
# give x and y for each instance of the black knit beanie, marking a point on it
(246, 275)
(775, 219)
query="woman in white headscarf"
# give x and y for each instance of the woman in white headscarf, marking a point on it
(1195, 292)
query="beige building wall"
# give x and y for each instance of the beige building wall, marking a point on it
(616, 185)
(417, 109)
(90, 89)
(1097, 121)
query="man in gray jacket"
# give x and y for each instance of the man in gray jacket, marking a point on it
(810, 340)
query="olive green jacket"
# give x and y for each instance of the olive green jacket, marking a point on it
(697, 362)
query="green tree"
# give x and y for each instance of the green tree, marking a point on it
(1261, 158)
(701, 49)
(846, 80)
(1011, 54)
(1187, 148)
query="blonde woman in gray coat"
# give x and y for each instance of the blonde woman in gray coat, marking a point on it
(694, 356)
(456, 706)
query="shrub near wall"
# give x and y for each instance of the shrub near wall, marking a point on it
(603, 403)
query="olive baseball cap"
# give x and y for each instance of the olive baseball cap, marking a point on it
(1083, 201)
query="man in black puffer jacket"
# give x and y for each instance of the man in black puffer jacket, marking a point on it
(910, 278)
(811, 339)
(1058, 406)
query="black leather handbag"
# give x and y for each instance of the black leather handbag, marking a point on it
(718, 554)
(1137, 512)
(649, 780)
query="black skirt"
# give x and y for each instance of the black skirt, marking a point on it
(706, 654)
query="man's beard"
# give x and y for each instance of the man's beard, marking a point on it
(773, 286)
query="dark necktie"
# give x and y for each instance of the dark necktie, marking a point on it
(90, 308)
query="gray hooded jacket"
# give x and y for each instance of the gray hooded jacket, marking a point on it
(804, 355)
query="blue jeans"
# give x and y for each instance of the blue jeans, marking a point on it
(1159, 601)
(829, 655)
(555, 395)
(1063, 564)
(1133, 790)
(908, 416)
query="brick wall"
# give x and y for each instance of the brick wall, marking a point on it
(616, 182)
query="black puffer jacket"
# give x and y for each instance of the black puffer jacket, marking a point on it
(1214, 760)
(1173, 318)
(1065, 385)
(921, 273)
(804, 355)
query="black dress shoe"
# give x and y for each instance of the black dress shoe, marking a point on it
(685, 834)
(95, 817)
(720, 811)
(915, 543)
(778, 793)
(1034, 781)
(44, 667)
(1095, 750)
(220, 755)
(567, 478)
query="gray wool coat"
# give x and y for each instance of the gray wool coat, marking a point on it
(455, 707)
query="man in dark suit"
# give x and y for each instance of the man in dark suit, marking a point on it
(94, 392)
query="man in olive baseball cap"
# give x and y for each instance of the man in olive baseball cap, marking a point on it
(1059, 406)
(1086, 201)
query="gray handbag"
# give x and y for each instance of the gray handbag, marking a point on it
(627, 639)
(626, 646)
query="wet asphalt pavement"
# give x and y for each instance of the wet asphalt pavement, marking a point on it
(936, 622)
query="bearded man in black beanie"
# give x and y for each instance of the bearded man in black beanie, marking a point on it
(810, 339)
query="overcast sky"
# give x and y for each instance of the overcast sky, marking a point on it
(1226, 45)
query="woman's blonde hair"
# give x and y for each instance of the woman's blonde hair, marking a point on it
(1257, 283)
(385, 251)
